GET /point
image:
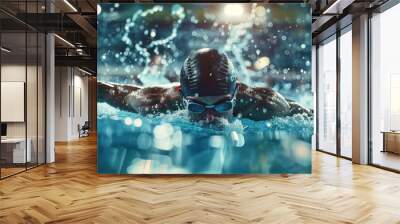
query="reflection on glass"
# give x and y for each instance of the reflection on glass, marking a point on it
(14, 151)
(346, 94)
(327, 97)
(23, 90)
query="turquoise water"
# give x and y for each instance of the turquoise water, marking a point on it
(129, 143)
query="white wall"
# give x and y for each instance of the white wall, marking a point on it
(70, 84)
(61, 103)
(81, 89)
(13, 73)
(16, 73)
(33, 127)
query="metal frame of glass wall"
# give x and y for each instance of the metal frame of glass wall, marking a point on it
(334, 37)
(33, 61)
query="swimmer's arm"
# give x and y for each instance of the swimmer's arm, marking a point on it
(115, 95)
(260, 103)
(265, 103)
(149, 100)
(156, 100)
(296, 108)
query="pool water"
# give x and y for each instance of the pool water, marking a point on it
(129, 143)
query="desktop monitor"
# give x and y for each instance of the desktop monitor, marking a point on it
(3, 129)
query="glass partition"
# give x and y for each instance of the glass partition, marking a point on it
(327, 96)
(22, 77)
(385, 89)
(14, 153)
(346, 93)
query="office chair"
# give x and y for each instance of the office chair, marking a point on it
(84, 130)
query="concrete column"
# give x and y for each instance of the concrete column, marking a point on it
(50, 109)
(360, 90)
(50, 93)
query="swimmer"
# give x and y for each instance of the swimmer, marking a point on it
(208, 91)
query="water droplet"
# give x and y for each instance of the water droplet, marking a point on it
(128, 121)
(137, 122)
(153, 33)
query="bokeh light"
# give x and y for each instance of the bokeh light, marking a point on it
(233, 10)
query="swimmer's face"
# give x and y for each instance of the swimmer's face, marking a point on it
(210, 109)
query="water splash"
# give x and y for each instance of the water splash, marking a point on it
(144, 52)
(149, 51)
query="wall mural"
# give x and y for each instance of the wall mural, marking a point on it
(204, 88)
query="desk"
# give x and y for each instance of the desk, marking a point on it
(13, 150)
(391, 141)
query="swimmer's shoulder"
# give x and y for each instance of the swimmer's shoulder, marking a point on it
(247, 90)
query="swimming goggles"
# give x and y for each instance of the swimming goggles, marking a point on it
(221, 107)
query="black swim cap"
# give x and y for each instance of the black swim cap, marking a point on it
(207, 72)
